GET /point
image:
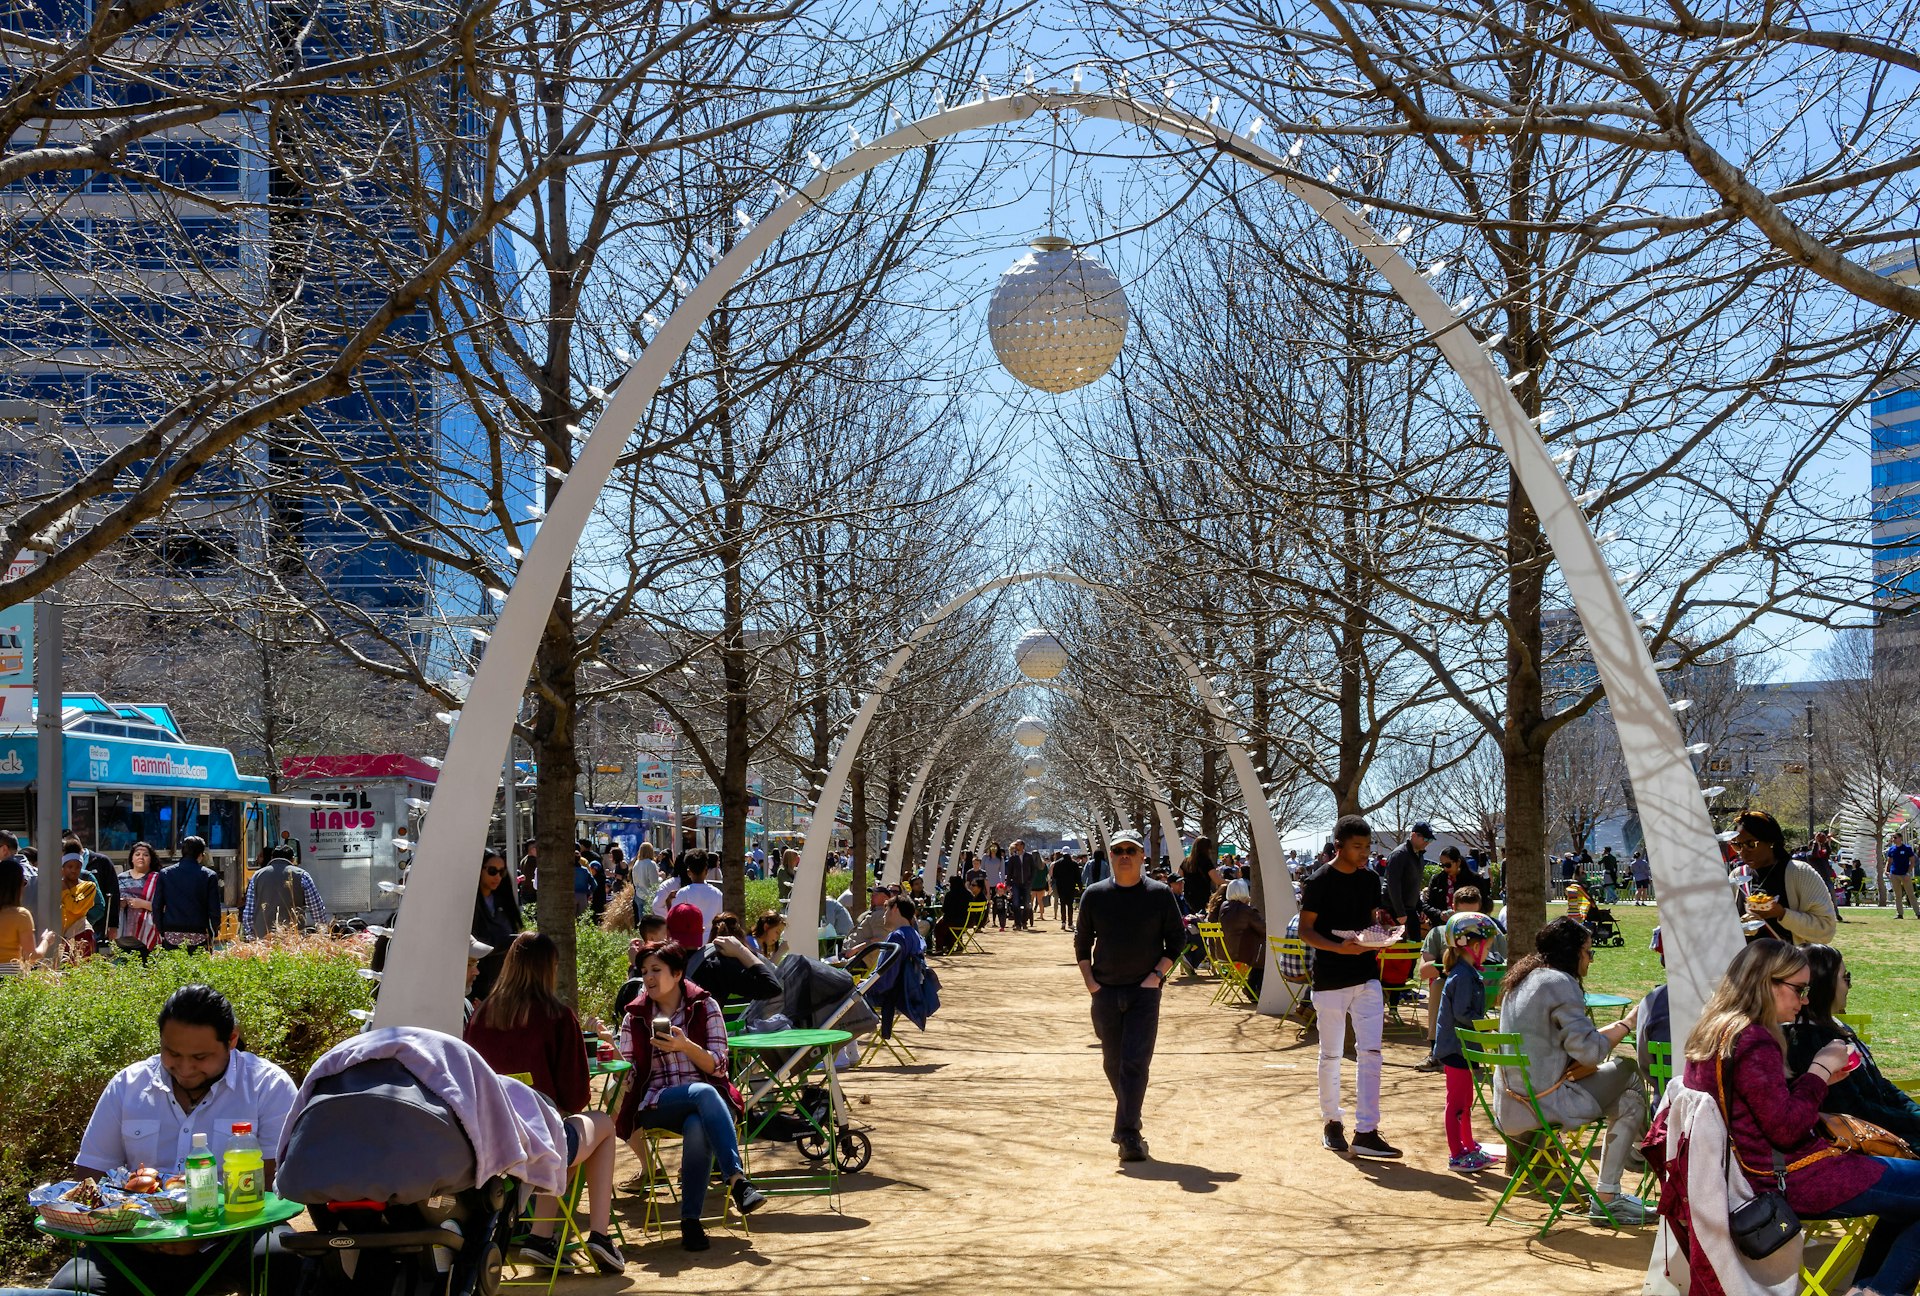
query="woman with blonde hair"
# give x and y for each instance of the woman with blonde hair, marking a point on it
(1737, 1054)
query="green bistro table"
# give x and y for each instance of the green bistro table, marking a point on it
(1598, 1002)
(174, 1229)
(615, 1071)
(770, 1093)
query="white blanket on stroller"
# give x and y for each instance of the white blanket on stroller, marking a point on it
(514, 1131)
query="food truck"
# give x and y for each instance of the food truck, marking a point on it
(358, 818)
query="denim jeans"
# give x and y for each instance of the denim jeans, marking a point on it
(1891, 1260)
(1126, 1019)
(700, 1115)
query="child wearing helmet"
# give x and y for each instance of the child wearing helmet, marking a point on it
(1463, 1001)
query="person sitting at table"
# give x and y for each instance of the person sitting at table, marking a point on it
(1863, 1092)
(769, 938)
(200, 1082)
(1243, 930)
(1433, 952)
(524, 1030)
(1573, 1075)
(953, 912)
(677, 1041)
(726, 965)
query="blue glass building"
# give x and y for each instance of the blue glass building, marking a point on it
(1894, 440)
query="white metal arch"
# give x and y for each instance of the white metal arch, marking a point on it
(425, 966)
(890, 868)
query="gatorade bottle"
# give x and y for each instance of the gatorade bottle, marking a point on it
(203, 1185)
(244, 1170)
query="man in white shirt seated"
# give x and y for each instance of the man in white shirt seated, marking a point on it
(198, 1083)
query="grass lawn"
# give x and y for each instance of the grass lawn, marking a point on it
(1881, 953)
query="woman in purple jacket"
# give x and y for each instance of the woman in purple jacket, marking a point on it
(1737, 1053)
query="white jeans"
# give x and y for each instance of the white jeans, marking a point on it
(1368, 1008)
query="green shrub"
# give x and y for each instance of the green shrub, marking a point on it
(66, 1038)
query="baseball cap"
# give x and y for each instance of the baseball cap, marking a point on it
(1424, 828)
(1126, 839)
(687, 926)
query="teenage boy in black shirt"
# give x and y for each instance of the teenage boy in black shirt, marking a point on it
(1344, 895)
(1127, 938)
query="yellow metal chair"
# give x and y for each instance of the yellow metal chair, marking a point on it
(1288, 958)
(1835, 1271)
(1860, 1024)
(970, 931)
(659, 1190)
(1397, 964)
(1233, 976)
(569, 1239)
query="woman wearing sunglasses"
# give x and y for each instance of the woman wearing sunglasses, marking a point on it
(1737, 1057)
(496, 920)
(1863, 1091)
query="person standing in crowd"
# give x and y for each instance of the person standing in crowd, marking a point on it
(1406, 875)
(697, 892)
(1021, 868)
(186, 900)
(1127, 939)
(18, 950)
(1344, 895)
(496, 920)
(1784, 893)
(77, 893)
(1066, 887)
(1640, 869)
(137, 932)
(1199, 868)
(1900, 874)
(1096, 870)
(282, 892)
(646, 870)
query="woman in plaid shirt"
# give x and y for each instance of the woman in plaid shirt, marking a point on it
(677, 1042)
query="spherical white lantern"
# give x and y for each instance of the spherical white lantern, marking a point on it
(1033, 767)
(1039, 655)
(1058, 318)
(1030, 731)
(1033, 805)
(1034, 787)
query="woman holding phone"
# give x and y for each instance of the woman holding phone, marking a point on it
(677, 1042)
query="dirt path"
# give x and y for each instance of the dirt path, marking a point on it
(992, 1170)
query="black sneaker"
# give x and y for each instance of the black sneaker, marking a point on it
(693, 1236)
(1370, 1144)
(1334, 1139)
(541, 1253)
(1133, 1148)
(1431, 1064)
(606, 1256)
(746, 1198)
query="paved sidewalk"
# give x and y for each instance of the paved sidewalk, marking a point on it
(992, 1170)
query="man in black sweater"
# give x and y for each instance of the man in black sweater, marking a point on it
(1128, 937)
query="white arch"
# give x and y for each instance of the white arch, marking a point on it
(890, 868)
(930, 864)
(425, 966)
(803, 910)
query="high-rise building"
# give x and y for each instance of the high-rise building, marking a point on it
(1894, 440)
(217, 246)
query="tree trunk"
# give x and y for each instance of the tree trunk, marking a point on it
(858, 834)
(558, 765)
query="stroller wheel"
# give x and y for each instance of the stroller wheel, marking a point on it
(853, 1150)
(813, 1145)
(487, 1281)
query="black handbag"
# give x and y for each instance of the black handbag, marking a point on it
(1766, 1223)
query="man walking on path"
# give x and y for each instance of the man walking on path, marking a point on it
(1406, 878)
(1900, 870)
(1128, 936)
(1066, 887)
(1343, 895)
(1021, 867)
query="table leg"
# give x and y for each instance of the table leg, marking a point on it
(219, 1259)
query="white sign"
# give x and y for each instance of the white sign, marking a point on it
(656, 785)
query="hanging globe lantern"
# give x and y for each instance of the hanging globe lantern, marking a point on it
(1030, 731)
(1034, 787)
(1058, 318)
(1039, 655)
(1033, 767)
(1033, 805)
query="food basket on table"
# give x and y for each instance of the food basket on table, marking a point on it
(84, 1207)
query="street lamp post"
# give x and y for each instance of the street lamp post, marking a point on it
(1808, 735)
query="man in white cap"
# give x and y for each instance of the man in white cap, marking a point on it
(1127, 939)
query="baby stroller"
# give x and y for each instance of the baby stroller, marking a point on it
(395, 1213)
(813, 1117)
(1598, 920)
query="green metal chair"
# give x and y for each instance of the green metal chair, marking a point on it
(1548, 1160)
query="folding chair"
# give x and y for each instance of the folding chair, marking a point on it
(569, 1239)
(1541, 1158)
(1860, 1024)
(1397, 962)
(1290, 958)
(1835, 1272)
(970, 931)
(1233, 976)
(896, 1047)
(1660, 1072)
(659, 1190)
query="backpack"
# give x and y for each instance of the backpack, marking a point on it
(97, 916)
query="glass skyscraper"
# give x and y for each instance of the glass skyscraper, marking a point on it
(1894, 441)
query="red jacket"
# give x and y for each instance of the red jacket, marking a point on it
(550, 1049)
